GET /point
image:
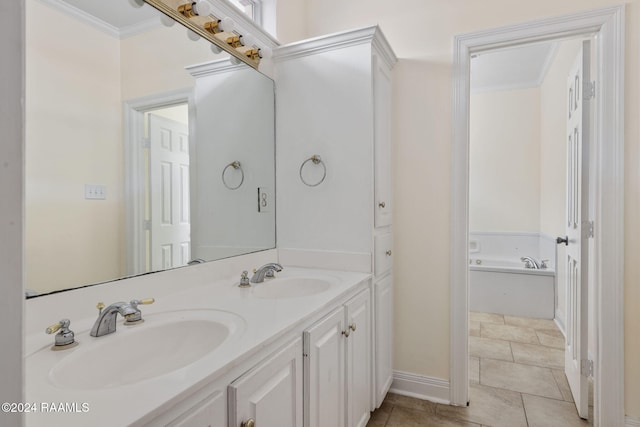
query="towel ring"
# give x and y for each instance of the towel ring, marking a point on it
(316, 161)
(236, 165)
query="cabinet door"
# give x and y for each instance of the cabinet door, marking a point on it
(208, 413)
(324, 372)
(382, 142)
(359, 349)
(271, 393)
(383, 290)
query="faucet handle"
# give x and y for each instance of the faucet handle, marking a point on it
(136, 302)
(54, 328)
(144, 301)
(136, 316)
(65, 336)
(244, 280)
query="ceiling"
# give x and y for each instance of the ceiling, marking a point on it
(513, 68)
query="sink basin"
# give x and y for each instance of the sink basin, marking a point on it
(290, 287)
(163, 343)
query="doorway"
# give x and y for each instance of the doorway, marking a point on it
(518, 205)
(158, 130)
(607, 25)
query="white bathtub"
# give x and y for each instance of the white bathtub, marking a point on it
(504, 286)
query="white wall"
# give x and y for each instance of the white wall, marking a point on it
(11, 212)
(504, 162)
(421, 33)
(73, 138)
(154, 62)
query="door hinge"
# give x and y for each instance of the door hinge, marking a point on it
(146, 142)
(586, 368)
(587, 229)
(589, 90)
(147, 224)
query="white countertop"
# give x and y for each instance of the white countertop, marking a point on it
(262, 322)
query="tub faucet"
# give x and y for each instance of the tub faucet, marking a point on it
(265, 271)
(106, 321)
(530, 262)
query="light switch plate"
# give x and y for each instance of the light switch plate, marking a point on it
(95, 192)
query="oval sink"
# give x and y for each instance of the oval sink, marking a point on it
(163, 343)
(290, 287)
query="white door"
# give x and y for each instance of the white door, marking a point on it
(359, 355)
(577, 230)
(169, 193)
(324, 372)
(271, 393)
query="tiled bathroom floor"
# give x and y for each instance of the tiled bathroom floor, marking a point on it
(516, 370)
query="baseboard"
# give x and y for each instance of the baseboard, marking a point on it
(631, 422)
(560, 324)
(425, 388)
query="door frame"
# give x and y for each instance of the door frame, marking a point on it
(135, 174)
(608, 261)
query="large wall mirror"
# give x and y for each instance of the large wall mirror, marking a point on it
(144, 149)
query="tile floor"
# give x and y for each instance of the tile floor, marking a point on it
(516, 370)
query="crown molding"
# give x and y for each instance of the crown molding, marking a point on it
(218, 66)
(340, 40)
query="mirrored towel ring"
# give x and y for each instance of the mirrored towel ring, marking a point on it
(316, 160)
(235, 165)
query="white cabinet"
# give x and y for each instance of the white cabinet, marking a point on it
(382, 141)
(337, 366)
(359, 350)
(383, 295)
(334, 99)
(208, 413)
(270, 394)
(324, 371)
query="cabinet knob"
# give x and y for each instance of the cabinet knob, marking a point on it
(388, 252)
(382, 204)
(353, 326)
(347, 332)
(249, 423)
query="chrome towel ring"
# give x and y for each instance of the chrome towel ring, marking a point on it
(316, 160)
(237, 166)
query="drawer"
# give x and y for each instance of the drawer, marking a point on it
(383, 244)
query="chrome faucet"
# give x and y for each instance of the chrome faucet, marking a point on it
(266, 270)
(106, 322)
(530, 262)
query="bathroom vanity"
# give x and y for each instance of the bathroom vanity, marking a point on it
(295, 346)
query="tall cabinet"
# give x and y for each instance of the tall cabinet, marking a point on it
(333, 169)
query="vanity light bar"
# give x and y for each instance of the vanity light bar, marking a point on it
(210, 28)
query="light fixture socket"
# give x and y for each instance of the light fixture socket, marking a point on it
(187, 10)
(212, 26)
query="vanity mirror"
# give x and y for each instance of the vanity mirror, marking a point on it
(144, 149)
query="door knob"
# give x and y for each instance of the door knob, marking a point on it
(564, 240)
